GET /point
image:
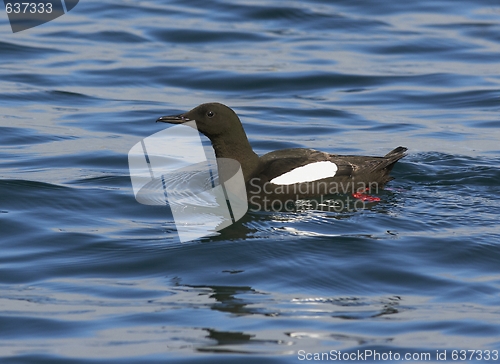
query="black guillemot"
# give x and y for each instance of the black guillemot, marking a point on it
(298, 173)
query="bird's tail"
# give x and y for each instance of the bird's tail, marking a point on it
(396, 154)
(393, 156)
(390, 159)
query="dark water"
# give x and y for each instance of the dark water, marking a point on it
(88, 275)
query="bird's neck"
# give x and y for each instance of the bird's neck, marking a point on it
(238, 148)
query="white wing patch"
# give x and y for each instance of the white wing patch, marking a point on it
(308, 173)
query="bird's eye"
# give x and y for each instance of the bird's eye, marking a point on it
(210, 114)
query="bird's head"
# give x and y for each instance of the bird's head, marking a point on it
(212, 119)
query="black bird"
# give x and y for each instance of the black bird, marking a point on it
(296, 173)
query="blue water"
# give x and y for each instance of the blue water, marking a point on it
(89, 275)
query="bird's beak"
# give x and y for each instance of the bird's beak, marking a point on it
(173, 119)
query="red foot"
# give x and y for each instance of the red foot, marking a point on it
(364, 197)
